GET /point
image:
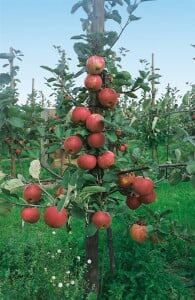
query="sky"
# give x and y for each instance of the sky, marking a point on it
(166, 28)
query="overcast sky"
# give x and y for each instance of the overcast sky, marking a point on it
(166, 28)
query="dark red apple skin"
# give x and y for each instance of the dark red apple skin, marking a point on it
(73, 144)
(95, 64)
(32, 193)
(54, 218)
(94, 123)
(96, 140)
(106, 160)
(102, 219)
(143, 185)
(30, 214)
(133, 202)
(147, 199)
(87, 161)
(80, 114)
(93, 82)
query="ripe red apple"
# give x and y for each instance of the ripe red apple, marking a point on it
(30, 214)
(102, 219)
(87, 161)
(18, 151)
(133, 202)
(55, 218)
(143, 185)
(126, 180)
(106, 160)
(93, 82)
(80, 114)
(108, 97)
(73, 144)
(96, 140)
(95, 64)
(147, 199)
(139, 233)
(60, 191)
(94, 123)
(123, 148)
(32, 193)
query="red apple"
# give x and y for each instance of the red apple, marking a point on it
(73, 144)
(55, 218)
(87, 161)
(139, 233)
(133, 202)
(106, 160)
(32, 193)
(30, 214)
(96, 140)
(18, 151)
(123, 148)
(80, 114)
(147, 199)
(95, 64)
(108, 97)
(126, 180)
(102, 219)
(94, 123)
(143, 185)
(60, 191)
(93, 82)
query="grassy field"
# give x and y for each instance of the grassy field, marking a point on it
(38, 262)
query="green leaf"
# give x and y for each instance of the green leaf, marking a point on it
(94, 189)
(2, 175)
(191, 167)
(35, 169)
(175, 177)
(4, 78)
(134, 18)
(111, 136)
(89, 177)
(5, 208)
(77, 212)
(178, 155)
(76, 6)
(16, 122)
(90, 230)
(12, 185)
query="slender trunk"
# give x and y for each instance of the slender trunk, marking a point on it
(111, 249)
(92, 273)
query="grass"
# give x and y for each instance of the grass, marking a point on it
(38, 262)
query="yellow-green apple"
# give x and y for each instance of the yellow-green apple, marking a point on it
(95, 64)
(96, 140)
(101, 219)
(80, 114)
(126, 180)
(94, 123)
(73, 144)
(93, 82)
(32, 193)
(87, 161)
(108, 97)
(139, 233)
(55, 218)
(106, 160)
(30, 214)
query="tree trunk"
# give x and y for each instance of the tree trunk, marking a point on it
(92, 272)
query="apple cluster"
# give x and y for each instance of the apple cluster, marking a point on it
(93, 121)
(138, 189)
(52, 216)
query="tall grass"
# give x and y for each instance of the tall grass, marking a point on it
(38, 262)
